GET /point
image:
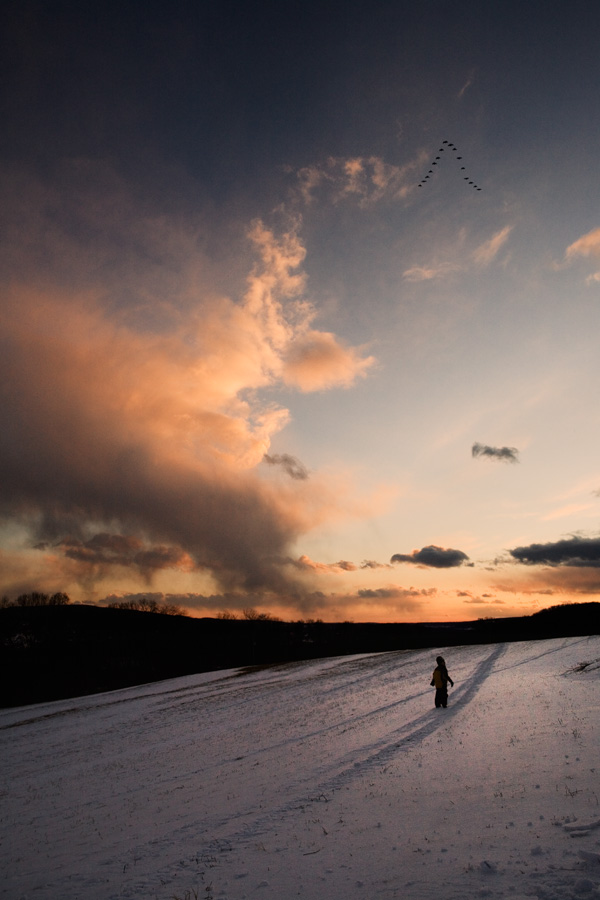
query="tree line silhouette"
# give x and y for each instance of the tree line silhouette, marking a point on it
(55, 650)
(36, 598)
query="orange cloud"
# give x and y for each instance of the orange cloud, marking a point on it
(461, 259)
(317, 361)
(304, 562)
(364, 180)
(486, 252)
(587, 245)
(134, 399)
(431, 272)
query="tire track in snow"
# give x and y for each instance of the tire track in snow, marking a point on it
(329, 777)
(412, 733)
(535, 656)
(247, 826)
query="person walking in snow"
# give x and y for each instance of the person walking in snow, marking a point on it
(440, 681)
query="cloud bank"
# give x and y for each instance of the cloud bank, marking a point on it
(572, 552)
(368, 604)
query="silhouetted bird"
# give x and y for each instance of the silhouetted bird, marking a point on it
(434, 162)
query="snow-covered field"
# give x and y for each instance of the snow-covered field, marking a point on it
(333, 779)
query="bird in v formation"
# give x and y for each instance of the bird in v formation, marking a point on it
(454, 149)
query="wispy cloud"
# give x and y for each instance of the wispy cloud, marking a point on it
(363, 180)
(459, 258)
(484, 601)
(304, 562)
(431, 272)
(467, 84)
(588, 245)
(502, 454)
(487, 252)
(387, 593)
(570, 509)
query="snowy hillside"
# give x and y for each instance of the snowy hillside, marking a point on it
(330, 779)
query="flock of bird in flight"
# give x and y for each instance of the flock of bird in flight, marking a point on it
(438, 160)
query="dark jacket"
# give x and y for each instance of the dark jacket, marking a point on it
(441, 678)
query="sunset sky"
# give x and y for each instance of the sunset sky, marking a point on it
(258, 350)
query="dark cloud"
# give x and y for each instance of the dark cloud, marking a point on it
(484, 600)
(373, 564)
(310, 603)
(123, 550)
(212, 603)
(575, 552)
(502, 454)
(394, 592)
(294, 468)
(432, 556)
(402, 600)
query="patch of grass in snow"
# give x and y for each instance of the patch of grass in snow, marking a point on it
(193, 894)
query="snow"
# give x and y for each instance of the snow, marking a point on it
(333, 778)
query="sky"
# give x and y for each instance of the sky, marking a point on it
(299, 307)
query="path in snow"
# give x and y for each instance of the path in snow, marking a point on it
(331, 778)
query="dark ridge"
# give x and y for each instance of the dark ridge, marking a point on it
(52, 653)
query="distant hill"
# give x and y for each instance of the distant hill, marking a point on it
(54, 652)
